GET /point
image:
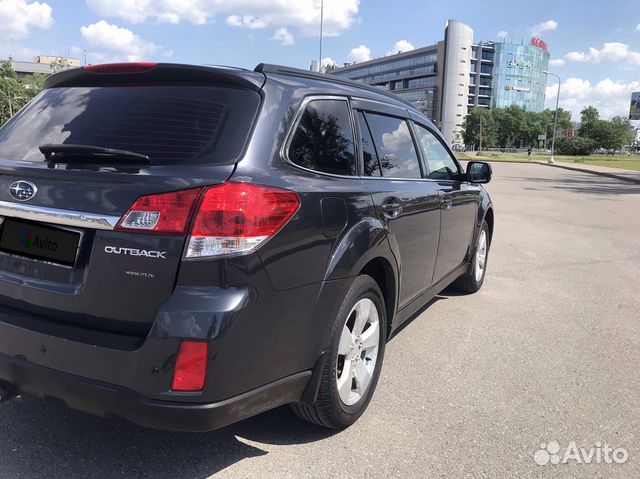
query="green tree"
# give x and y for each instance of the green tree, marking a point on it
(622, 131)
(471, 126)
(611, 134)
(510, 125)
(15, 92)
(589, 117)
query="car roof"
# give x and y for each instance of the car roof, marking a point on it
(364, 90)
(113, 74)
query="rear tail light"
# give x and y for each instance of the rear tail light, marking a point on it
(134, 67)
(166, 213)
(230, 218)
(236, 218)
(191, 366)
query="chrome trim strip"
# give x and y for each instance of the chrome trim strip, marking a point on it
(56, 216)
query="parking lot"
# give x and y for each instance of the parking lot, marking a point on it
(549, 350)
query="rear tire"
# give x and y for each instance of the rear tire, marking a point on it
(472, 281)
(350, 373)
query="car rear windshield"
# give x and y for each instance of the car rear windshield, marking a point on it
(170, 124)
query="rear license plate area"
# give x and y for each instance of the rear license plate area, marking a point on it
(40, 242)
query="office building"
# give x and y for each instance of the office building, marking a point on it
(449, 78)
(46, 64)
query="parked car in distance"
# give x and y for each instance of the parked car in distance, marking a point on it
(187, 246)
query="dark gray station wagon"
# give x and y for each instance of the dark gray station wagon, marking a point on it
(187, 246)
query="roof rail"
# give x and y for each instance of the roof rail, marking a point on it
(270, 68)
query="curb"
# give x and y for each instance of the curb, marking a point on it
(596, 172)
(566, 167)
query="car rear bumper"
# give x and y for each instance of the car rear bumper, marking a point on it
(102, 399)
(261, 355)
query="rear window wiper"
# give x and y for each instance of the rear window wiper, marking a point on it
(65, 153)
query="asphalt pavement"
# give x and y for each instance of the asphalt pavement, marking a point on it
(547, 354)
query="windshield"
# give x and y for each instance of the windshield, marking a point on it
(170, 124)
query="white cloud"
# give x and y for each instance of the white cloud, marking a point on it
(638, 28)
(248, 21)
(609, 97)
(121, 42)
(18, 16)
(610, 51)
(359, 54)
(502, 34)
(328, 62)
(401, 46)
(557, 62)
(302, 14)
(283, 36)
(543, 27)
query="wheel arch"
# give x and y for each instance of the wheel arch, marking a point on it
(382, 272)
(488, 217)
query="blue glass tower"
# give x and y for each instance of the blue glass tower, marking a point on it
(518, 76)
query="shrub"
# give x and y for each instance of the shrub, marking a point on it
(575, 146)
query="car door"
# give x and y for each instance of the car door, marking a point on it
(407, 204)
(458, 202)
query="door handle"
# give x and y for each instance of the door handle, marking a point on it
(392, 207)
(446, 202)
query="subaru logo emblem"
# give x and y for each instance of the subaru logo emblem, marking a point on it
(23, 190)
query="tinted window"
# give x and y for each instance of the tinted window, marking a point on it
(439, 163)
(394, 145)
(371, 165)
(323, 140)
(170, 124)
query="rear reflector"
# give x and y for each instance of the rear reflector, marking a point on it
(191, 366)
(236, 218)
(166, 213)
(137, 67)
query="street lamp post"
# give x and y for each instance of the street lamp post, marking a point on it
(555, 117)
(321, 25)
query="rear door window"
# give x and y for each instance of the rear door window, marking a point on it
(394, 145)
(323, 139)
(170, 124)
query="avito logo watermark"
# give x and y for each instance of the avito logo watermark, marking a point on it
(29, 240)
(551, 453)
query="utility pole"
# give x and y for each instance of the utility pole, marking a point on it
(480, 146)
(555, 117)
(321, 25)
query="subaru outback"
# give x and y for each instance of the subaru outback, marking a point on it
(187, 246)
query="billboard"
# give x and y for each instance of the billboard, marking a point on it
(634, 112)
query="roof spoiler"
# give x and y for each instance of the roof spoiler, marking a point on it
(121, 74)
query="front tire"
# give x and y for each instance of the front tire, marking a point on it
(351, 371)
(472, 281)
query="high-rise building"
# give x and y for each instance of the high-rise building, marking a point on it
(449, 78)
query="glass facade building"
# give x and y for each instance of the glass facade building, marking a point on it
(518, 76)
(450, 78)
(410, 75)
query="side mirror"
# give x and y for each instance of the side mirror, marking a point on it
(479, 172)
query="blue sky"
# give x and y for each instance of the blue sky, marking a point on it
(595, 46)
